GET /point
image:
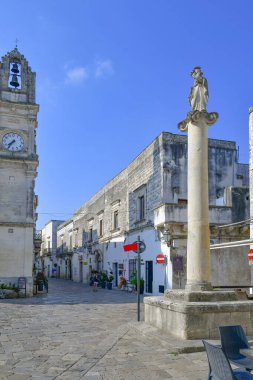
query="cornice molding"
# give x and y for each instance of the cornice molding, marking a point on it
(16, 224)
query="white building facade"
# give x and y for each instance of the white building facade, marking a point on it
(49, 247)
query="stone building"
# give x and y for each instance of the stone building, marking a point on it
(149, 199)
(18, 169)
(49, 246)
(64, 251)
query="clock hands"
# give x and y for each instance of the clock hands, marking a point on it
(11, 143)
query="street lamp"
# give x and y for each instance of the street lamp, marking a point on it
(167, 237)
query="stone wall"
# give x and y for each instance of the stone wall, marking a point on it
(142, 173)
(230, 266)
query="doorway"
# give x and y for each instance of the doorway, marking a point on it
(80, 271)
(149, 277)
(70, 269)
(115, 273)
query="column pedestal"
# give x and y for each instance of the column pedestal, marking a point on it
(198, 315)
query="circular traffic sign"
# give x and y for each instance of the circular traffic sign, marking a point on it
(160, 259)
(142, 246)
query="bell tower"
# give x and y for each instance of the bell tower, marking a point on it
(18, 169)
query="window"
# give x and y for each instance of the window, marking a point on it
(115, 215)
(70, 241)
(76, 237)
(115, 219)
(139, 204)
(90, 230)
(141, 207)
(132, 268)
(84, 237)
(90, 234)
(101, 227)
(100, 215)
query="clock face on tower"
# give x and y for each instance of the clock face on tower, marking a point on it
(13, 142)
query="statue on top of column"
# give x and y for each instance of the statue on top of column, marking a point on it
(198, 97)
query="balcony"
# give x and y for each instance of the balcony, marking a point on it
(64, 251)
(47, 252)
(168, 213)
(37, 242)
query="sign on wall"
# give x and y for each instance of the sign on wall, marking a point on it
(250, 256)
(178, 264)
(160, 259)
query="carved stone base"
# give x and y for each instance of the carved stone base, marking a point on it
(195, 116)
(197, 315)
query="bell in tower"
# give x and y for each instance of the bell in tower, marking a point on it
(15, 68)
(17, 80)
(14, 80)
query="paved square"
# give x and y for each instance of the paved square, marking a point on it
(75, 333)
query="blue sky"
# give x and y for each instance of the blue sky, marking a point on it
(113, 74)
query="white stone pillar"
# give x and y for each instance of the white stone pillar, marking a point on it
(198, 239)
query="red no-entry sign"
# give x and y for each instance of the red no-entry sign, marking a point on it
(250, 254)
(130, 247)
(160, 259)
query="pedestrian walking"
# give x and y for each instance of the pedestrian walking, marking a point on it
(95, 282)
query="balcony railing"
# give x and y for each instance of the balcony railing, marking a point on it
(37, 242)
(47, 251)
(61, 251)
(37, 235)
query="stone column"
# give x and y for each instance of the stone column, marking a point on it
(198, 243)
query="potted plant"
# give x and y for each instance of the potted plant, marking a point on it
(133, 281)
(110, 280)
(103, 279)
(40, 279)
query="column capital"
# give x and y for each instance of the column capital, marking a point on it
(195, 116)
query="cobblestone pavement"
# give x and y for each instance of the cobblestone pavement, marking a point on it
(75, 333)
